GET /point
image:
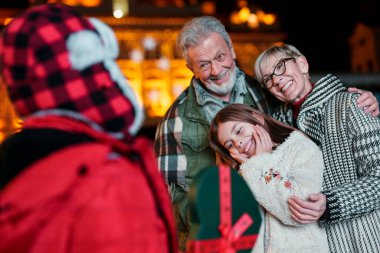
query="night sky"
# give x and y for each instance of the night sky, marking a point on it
(319, 29)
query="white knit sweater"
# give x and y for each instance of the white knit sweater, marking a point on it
(294, 168)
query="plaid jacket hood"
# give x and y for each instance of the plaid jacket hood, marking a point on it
(54, 60)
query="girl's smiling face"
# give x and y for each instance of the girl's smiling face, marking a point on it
(237, 137)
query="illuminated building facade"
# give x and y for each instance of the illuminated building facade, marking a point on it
(147, 31)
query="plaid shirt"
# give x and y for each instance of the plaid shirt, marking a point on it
(172, 158)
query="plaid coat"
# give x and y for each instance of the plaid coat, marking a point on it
(350, 143)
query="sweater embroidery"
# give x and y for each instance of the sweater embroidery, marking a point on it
(275, 176)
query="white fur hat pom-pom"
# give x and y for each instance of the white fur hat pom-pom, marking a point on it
(85, 49)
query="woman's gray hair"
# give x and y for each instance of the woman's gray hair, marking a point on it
(198, 29)
(279, 49)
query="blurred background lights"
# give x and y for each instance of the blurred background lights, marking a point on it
(118, 13)
(120, 8)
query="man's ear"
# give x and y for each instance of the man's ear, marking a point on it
(192, 70)
(189, 67)
(303, 64)
(232, 51)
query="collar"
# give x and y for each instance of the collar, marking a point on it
(204, 97)
(323, 90)
(212, 105)
(296, 107)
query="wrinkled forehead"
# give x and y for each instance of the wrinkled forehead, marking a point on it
(208, 50)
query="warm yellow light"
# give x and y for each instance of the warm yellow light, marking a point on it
(157, 103)
(160, 108)
(208, 8)
(120, 8)
(67, 2)
(136, 86)
(242, 3)
(118, 13)
(7, 20)
(244, 14)
(90, 3)
(260, 14)
(177, 88)
(269, 19)
(253, 21)
(17, 123)
(234, 18)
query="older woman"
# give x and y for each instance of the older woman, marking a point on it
(350, 142)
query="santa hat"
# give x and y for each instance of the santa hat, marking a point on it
(55, 61)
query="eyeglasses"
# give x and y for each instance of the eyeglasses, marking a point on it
(279, 70)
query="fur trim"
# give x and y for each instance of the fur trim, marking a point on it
(87, 48)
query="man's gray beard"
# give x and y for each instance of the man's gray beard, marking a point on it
(226, 88)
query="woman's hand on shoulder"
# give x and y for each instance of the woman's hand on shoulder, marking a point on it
(307, 211)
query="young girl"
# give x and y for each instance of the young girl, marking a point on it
(277, 161)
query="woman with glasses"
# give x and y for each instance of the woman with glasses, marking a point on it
(349, 203)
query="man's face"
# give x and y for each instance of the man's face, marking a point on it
(212, 62)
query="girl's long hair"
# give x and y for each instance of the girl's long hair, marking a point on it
(277, 130)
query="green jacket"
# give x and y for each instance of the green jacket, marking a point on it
(182, 145)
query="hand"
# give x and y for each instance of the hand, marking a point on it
(307, 211)
(367, 101)
(263, 141)
(239, 157)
